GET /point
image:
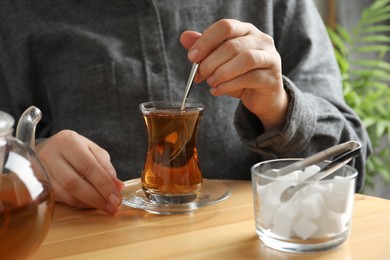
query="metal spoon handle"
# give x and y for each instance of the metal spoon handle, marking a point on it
(328, 170)
(330, 167)
(189, 83)
(333, 152)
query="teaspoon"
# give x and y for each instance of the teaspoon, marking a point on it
(189, 83)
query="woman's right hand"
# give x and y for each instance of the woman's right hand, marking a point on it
(81, 172)
(239, 60)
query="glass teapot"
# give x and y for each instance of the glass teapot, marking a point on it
(26, 199)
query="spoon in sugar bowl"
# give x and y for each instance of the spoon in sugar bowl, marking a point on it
(332, 159)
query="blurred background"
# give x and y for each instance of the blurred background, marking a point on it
(371, 103)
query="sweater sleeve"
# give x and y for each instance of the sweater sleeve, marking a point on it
(318, 116)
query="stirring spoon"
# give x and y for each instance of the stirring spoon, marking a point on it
(189, 83)
(187, 91)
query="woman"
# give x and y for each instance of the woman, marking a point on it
(275, 88)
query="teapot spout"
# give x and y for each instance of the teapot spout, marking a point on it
(25, 129)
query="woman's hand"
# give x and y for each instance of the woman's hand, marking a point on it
(81, 172)
(239, 60)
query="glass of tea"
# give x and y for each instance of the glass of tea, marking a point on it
(171, 173)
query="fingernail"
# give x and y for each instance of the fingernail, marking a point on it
(111, 209)
(211, 81)
(193, 55)
(121, 185)
(213, 91)
(196, 78)
(114, 199)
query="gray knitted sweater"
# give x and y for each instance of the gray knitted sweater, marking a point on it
(88, 64)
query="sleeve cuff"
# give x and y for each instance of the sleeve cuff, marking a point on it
(296, 132)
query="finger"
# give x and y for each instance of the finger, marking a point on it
(90, 169)
(188, 38)
(221, 55)
(63, 196)
(242, 63)
(234, 47)
(103, 158)
(259, 80)
(215, 35)
(74, 186)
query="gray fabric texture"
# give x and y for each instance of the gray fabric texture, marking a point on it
(88, 64)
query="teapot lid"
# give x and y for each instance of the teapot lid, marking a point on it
(6, 123)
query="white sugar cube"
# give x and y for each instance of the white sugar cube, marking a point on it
(308, 172)
(269, 201)
(283, 219)
(292, 176)
(317, 188)
(313, 169)
(336, 203)
(304, 228)
(330, 223)
(312, 205)
(282, 231)
(285, 181)
(343, 186)
(298, 197)
(285, 215)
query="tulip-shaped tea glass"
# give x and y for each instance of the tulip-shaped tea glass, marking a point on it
(171, 173)
(317, 217)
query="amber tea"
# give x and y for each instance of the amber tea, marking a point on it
(23, 221)
(171, 173)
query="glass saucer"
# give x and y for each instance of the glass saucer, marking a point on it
(212, 192)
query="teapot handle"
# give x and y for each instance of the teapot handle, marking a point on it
(25, 129)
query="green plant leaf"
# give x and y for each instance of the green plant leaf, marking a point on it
(353, 99)
(380, 128)
(377, 11)
(343, 33)
(337, 42)
(372, 64)
(383, 111)
(376, 85)
(378, 74)
(343, 63)
(385, 174)
(373, 48)
(375, 38)
(378, 18)
(378, 4)
(369, 121)
(377, 161)
(375, 29)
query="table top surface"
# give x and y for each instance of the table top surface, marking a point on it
(225, 230)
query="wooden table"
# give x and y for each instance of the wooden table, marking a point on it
(222, 231)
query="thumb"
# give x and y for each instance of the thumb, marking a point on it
(188, 38)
